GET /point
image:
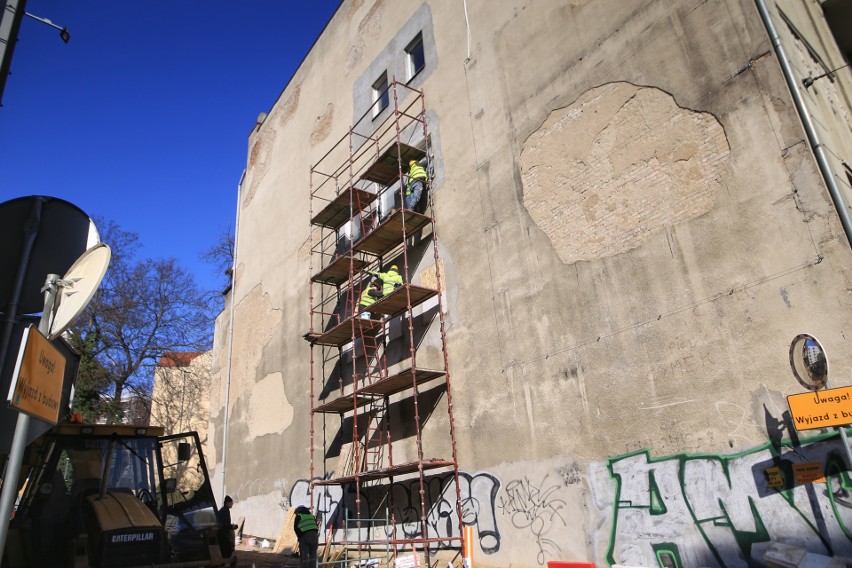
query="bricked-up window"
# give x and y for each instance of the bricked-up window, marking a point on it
(415, 57)
(381, 97)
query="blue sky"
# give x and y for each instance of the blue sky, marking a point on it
(143, 117)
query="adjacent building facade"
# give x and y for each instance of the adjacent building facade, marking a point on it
(635, 207)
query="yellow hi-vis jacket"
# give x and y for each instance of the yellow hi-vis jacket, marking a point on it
(415, 172)
(390, 280)
(367, 299)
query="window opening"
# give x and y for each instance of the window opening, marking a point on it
(838, 14)
(415, 56)
(381, 96)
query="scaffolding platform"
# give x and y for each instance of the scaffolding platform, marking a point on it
(341, 334)
(391, 232)
(385, 472)
(343, 207)
(396, 302)
(386, 169)
(384, 387)
(337, 272)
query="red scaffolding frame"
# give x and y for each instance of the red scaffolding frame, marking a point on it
(352, 233)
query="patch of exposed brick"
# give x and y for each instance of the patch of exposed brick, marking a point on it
(371, 25)
(322, 125)
(606, 173)
(356, 54)
(289, 106)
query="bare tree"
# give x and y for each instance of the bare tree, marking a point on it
(221, 256)
(143, 309)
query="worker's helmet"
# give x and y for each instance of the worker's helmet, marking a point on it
(412, 162)
(394, 267)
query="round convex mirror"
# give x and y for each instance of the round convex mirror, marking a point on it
(808, 361)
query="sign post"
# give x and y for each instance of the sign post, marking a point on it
(19, 442)
(819, 408)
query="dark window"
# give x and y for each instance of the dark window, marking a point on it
(415, 57)
(381, 97)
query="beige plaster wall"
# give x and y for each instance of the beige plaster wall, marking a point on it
(632, 229)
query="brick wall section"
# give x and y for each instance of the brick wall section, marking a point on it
(609, 171)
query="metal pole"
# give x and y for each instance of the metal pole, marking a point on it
(10, 480)
(19, 442)
(807, 123)
(843, 438)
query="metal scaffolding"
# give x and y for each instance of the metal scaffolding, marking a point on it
(367, 391)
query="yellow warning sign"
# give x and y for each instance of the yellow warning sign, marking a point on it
(821, 409)
(810, 472)
(39, 373)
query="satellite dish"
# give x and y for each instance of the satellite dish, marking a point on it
(808, 361)
(78, 286)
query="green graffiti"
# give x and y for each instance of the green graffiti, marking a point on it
(667, 555)
(726, 510)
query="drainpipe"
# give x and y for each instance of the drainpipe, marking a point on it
(231, 335)
(816, 145)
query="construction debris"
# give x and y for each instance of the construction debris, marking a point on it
(287, 540)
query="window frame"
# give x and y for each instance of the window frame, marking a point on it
(381, 94)
(415, 48)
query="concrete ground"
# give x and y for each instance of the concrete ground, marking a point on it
(248, 556)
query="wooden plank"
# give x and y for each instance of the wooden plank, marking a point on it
(287, 537)
(401, 381)
(342, 404)
(389, 233)
(341, 334)
(338, 271)
(340, 209)
(385, 170)
(397, 301)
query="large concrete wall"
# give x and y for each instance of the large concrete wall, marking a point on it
(632, 229)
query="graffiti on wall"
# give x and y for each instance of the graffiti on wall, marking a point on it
(535, 506)
(708, 510)
(478, 494)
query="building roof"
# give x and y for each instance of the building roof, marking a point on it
(178, 358)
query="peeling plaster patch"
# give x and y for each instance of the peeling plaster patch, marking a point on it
(289, 107)
(259, 160)
(606, 173)
(353, 7)
(356, 54)
(322, 125)
(305, 250)
(269, 410)
(254, 322)
(371, 25)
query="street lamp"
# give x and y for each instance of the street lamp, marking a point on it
(63, 32)
(808, 81)
(11, 14)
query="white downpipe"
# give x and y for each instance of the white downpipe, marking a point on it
(467, 24)
(231, 335)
